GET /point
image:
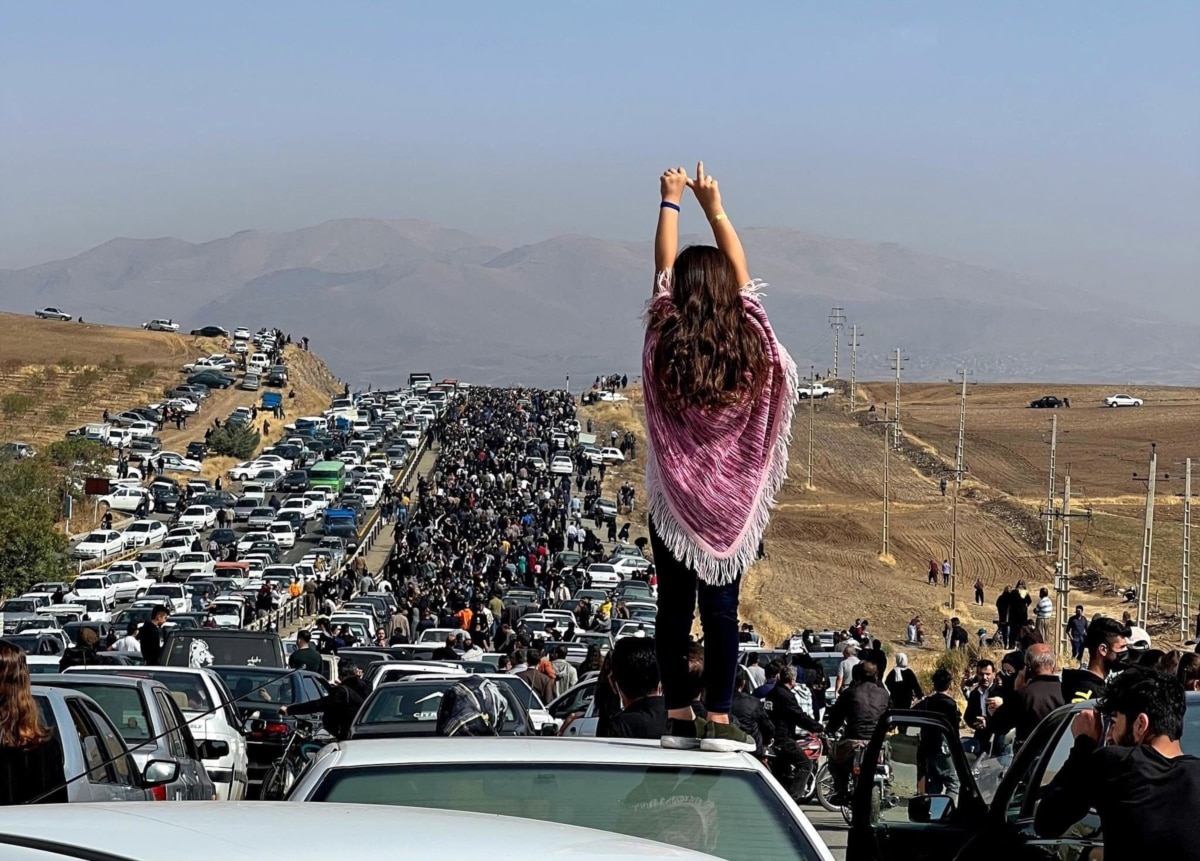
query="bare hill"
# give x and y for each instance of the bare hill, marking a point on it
(379, 298)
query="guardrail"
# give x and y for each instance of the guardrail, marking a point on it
(293, 609)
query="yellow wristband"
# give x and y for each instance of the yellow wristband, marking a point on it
(718, 217)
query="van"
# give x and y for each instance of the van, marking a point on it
(258, 362)
(97, 432)
(120, 437)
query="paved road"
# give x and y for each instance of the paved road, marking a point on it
(832, 827)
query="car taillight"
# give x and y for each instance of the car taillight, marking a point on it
(159, 793)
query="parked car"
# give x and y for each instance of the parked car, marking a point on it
(193, 562)
(142, 533)
(91, 745)
(161, 325)
(100, 544)
(51, 313)
(1048, 402)
(207, 705)
(212, 379)
(158, 563)
(250, 382)
(124, 498)
(171, 595)
(150, 723)
(173, 462)
(130, 585)
(743, 812)
(1122, 401)
(211, 332)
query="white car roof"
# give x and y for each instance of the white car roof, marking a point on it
(248, 831)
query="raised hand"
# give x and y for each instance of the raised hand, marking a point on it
(706, 191)
(672, 183)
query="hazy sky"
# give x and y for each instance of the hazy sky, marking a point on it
(1058, 138)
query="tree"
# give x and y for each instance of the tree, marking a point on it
(140, 374)
(14, 405)
(77, 458)
(31, 548)
(239, 442)
(88, 378)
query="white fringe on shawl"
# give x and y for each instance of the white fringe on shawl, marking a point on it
(683, 543)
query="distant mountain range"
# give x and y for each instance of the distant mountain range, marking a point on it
(381, 298)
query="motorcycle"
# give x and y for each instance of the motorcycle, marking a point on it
(883, 797)
(785, 771)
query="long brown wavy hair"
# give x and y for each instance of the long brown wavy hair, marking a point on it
(707, 353)
(20, 723)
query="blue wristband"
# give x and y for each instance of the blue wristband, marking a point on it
(666, 204)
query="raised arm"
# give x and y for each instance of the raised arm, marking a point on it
(709, 198)
(666, 239)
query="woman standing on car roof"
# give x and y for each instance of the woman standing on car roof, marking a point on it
(31, 760)
(719, 393)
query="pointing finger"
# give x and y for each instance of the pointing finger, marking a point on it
(699, 171)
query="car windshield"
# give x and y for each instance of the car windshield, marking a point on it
(248, 686)
(165, 589)
(88, 583)
(96, 538)
(729, 814)
(124, 707)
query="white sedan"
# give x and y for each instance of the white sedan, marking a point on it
(627, 566)
(194, 563)
(1122, 401)
(561, 464)
(125, 498)
(185, 405)
(94, 587)
(161, 325)
(252, 469)
(612, 455)
(283, 532)
(174, 463)
(241, 333)
(129, 586)
(304, 505)
(142, 533)
(199, 517)
(252, 538)
(100, 544)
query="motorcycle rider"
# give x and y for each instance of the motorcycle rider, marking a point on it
(858, 709)
(787, 716)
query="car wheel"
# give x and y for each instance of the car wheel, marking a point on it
(139, 594)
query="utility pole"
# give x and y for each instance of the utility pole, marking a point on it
(1185, 599)
(1147, 542)
(812, 413)
(853, 366)
(897, 367)
(958, 474)
(1062, 580)
(887, 457)
(836, 321)
(1050, 491)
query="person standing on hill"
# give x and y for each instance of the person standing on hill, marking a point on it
(720, 392)
(1044, 614)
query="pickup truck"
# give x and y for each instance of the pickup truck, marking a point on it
(817, 391)
(341, 522)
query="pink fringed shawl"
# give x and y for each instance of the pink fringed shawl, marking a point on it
(712, 475)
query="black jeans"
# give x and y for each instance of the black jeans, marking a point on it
(678, 589)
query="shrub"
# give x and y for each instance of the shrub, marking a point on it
(87, 378)
(58, 414)
(239, 442)
(68, 364)
(139, 375)
(16, 404)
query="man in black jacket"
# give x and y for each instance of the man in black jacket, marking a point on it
(1140, 781)
(787, 717)
(748, 713)
(858, 709)
(150, 636)
(339, 707)
(978, 715)
(635, 674)
(1040, 694)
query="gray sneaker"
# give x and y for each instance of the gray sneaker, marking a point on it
(725, 738)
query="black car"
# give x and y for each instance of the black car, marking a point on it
(295, 481)
(211, 332)
(409, 708)
(295, 518)
(995, 805)
(223, 537)
(195, 450)
(149, 414)
(166, 498)
(278, 379)
(147, 445)
(1049, 402)
(258, 694)
(267, 548)
(216, 499)
(212, 379)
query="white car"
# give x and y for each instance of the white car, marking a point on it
(217, 361)
(1122, 401)
(171, 595)
(125, 498)
(612, 455)
(319, 498)
(161, 325)
(252, 469)
(177, 544)
(158, 563)
(303, 504)
(283, 532)
(129, 586)
(561, 464)
(194, 563)
(94, 586)
(689, 786)
(239, 347)
(143, 533)
(186, 405)
(199, 517)
(142, 430)
(241, 333)
(100, 544)
(612, 397)
(251, 538)
(603, 574)
(174, 463)
(626, 566)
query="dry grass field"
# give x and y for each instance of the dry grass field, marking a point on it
(57, 376)
(824, 566)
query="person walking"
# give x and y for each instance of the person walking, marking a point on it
(903, 685)
(31, 760)
(719, 393)
(979, 592)
(150, 636)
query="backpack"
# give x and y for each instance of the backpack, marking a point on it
(472, 706)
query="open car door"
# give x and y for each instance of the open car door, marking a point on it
(923, 803)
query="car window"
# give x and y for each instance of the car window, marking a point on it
(730, 814)
(922, 763)
(178, 740)
(114, 748)
(1043, 771)
(89, 741)
(124, 707)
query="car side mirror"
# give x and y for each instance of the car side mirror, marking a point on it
(160, 772)
(930, 808)
(550, 729)
(213, 749)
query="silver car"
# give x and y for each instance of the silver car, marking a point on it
(151, 725)
(92, 747)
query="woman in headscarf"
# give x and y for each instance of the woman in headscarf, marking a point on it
(902, 684)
